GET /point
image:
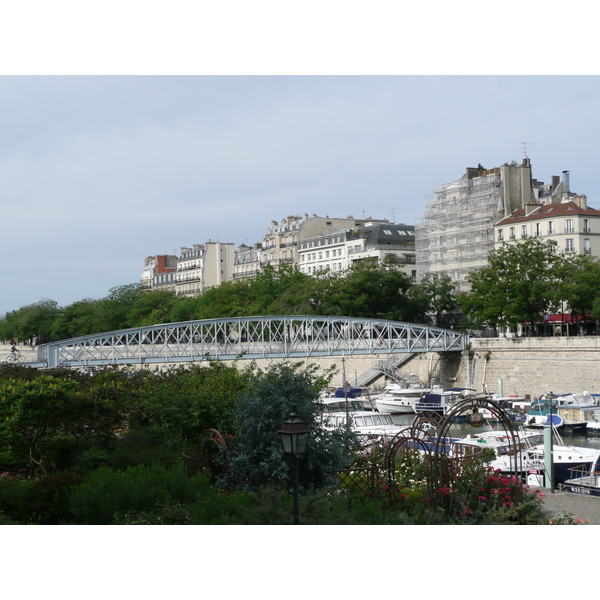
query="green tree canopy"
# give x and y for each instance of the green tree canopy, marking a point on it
(435, 295)
(516, 286)
(257, 457)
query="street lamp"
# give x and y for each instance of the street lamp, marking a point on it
(548, 445)
(294, 436)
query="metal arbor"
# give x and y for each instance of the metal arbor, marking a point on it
(447, 466)
(444, 458)
(251, 337)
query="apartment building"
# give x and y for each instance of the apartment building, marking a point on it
(280, 245)
(161, 264)
(337, 251)
(573, 225)
(456, 232)
(202, 266)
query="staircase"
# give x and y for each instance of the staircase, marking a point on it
(391, 369)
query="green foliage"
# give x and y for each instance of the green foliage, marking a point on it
(578, 283)
(518, 284)
(27, 322)
(184, 402)
(436, 294)
(31, 413)
(43, 501)
(370, 290)
(150, 308)
(77, 319)
(256, 455)
(138, 488)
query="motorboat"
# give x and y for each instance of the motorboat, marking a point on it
(513, 405)
(334, 404)
(565, 458)
(399, 399)
(358, 397)
(440, 403)
(548, 408)
(529, 455)
(583, 480)
(579, 408)
(370, 426)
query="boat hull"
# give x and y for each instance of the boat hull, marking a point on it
(396, 406)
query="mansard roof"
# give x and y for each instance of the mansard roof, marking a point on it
(548, 211)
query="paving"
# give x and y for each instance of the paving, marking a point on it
(579, 506)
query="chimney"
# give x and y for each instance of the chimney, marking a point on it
(566, 188)
(555, 182)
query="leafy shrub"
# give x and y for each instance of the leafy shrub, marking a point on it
(138, 488)
(42, 501)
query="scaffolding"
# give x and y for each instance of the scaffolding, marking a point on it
(455, 235)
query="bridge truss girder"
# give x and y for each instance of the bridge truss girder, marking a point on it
(251, 337)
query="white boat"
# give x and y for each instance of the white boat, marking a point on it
(561, 408)
(579, 408)
(514, 405)
(531, 453)
(441, 402)
(368, 425)
(584, 480)
(397, 398)
(334, 404)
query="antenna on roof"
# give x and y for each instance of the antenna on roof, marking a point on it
(524, 147)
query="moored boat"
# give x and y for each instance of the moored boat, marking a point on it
(584, 480)
(397, 399)
(548, 408)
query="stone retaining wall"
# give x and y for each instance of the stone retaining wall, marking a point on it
(533, 365)
(525, 365)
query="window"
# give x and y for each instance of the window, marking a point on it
(569, 226)
(523, 231)
(512, 232)
(570, 245)
(551, 229)
(538, 229)
(500, 234)
(586, 226)
(587, 247)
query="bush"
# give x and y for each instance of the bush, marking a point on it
(38, 501)
(138, 488)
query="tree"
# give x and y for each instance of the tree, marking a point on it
(32, 320)
(435, 295)
(370, 290)
(516, 286)
(113, 311)
(75, 320)
(150, 308)
(185, 402)
(256, 456)
(578, 284)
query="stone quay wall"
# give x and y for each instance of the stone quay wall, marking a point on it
(524, 365)
(532, 365)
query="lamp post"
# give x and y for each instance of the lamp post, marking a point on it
(548, 445)
(294, 436)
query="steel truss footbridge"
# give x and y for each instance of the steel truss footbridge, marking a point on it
(249, 337)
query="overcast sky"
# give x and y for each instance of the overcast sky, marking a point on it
(99, 171)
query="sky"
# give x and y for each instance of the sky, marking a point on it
(104, 164)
